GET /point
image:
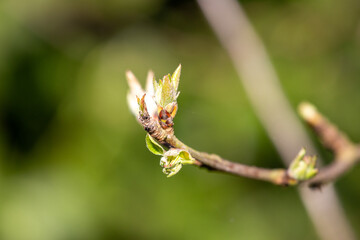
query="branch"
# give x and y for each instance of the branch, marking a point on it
(155, 113)
(167, 138)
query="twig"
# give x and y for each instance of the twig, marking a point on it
(166, 137)
(348, 153)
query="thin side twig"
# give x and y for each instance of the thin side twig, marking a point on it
(346, 153)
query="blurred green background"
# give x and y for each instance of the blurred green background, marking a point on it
(73, 161)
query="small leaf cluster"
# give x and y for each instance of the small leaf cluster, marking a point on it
(172, 159)
(303, 167)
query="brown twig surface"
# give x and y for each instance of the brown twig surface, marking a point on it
(167, 138)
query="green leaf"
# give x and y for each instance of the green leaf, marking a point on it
(173, 160)
(303, 167)
(175, 78)
(186, 158)
(153, 145)
(168, 92)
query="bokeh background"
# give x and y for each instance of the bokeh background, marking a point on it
(73, 161)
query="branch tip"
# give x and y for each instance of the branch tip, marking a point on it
(307, 111)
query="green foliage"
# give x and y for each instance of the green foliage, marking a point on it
(303, 167)
(153, 145)
(166, 89)
(173, 160)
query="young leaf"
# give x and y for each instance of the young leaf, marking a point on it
(173, 160)
(175, 78)
(303, 167)
(153, 145)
